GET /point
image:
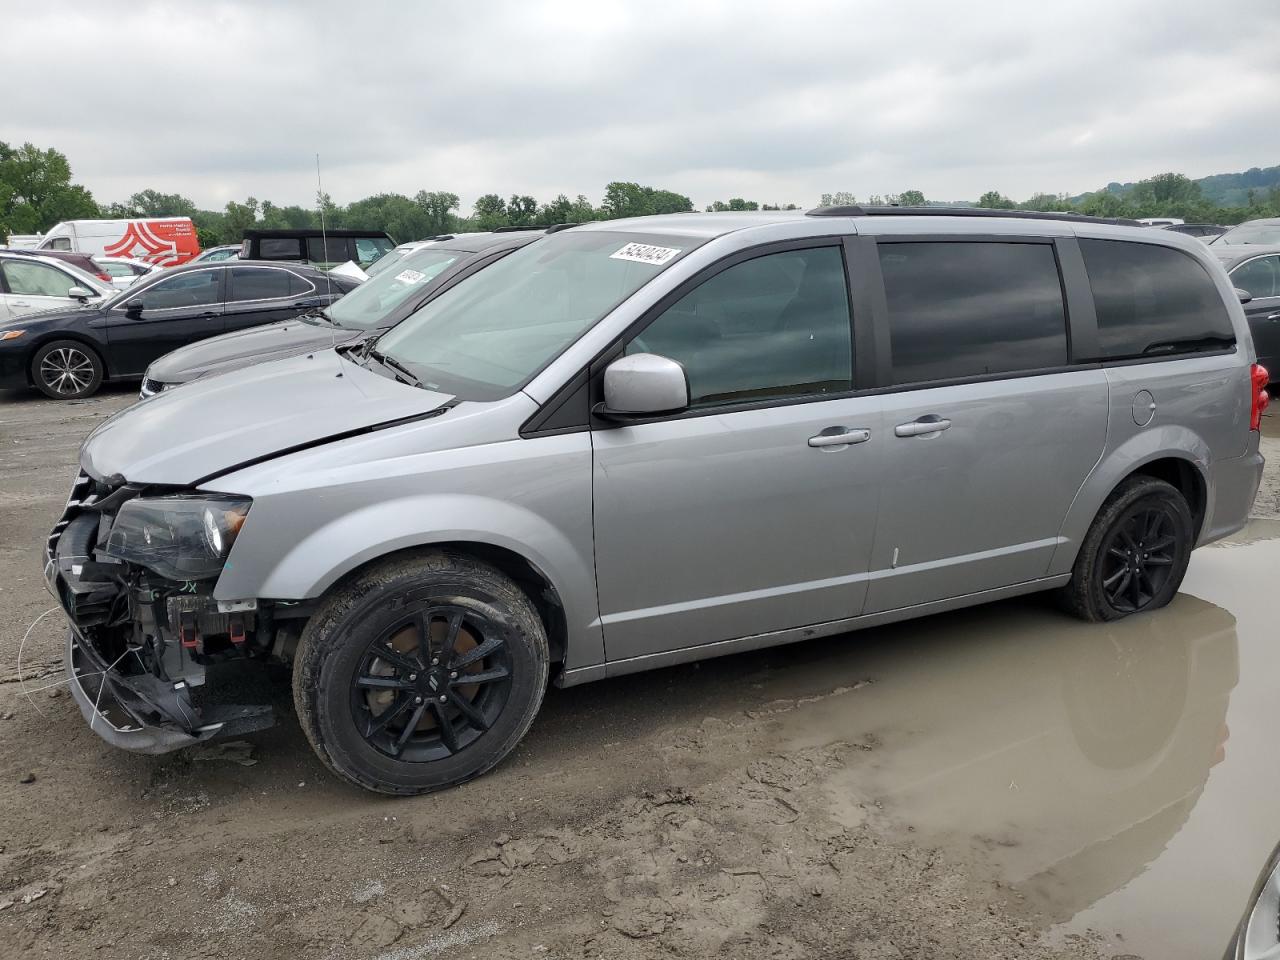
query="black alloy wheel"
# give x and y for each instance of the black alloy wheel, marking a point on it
(1135, 553)
(1138, 558)
(419, 672)
(430, 685)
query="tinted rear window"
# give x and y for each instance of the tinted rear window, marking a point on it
(327, 250)
(280, 248)
(258, 283)
(1153, 300)
(961, 309)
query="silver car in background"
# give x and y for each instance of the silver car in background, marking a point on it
(641, 442)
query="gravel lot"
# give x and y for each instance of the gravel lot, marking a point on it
(779, 804)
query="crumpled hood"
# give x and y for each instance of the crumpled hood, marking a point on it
(209, 426)
(230, 351)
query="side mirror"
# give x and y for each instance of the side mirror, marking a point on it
(643, 385)
(1244, 295)
(80, 293)
(133, 307)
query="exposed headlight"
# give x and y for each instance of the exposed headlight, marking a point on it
(185, 537)
(1259, 933)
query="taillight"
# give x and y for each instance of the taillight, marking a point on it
(1258, 380)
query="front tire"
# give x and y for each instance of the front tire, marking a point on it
(1135, 554)
(67, 370)
(420, 673)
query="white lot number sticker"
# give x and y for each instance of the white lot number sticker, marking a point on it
(410, 276)
(645, 253)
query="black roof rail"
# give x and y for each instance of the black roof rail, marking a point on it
(557, 227)
(442, 236)
(895, 211)
(531, 226)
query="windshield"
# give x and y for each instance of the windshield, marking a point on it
(1251, 233)
(369, 304)
(487, 336)
(383, 263)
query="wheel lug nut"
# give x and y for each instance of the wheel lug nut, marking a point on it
(435, 661)
(453, 674)
(417, 699)
(443, 698)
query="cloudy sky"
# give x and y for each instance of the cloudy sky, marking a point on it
(773, 101)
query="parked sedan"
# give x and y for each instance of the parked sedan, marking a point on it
(1255, 269)
(124, 271)
(67, 354)
(230, 251)
(30, 284)
(421, 273)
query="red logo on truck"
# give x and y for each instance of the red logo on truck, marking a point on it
(166, 243)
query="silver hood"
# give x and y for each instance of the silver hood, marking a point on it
(211, 426)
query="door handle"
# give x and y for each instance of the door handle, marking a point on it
(843, 438)
(923, 427)
(204, 316)
(19, 303)
(1273, 316)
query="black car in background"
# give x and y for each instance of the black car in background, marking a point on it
(1255, 269)
(67, 354)
(320, 248)
(417, 276)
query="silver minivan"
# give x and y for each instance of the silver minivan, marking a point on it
(642, 442)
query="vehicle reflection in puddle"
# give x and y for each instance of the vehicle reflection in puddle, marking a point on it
(1072, 760)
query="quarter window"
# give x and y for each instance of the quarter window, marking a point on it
(1260, 277)
(258, 283)
(37, 279)
(963, 308)
(1153, 300)
(772, 327)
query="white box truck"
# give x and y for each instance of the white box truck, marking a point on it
(163, 241)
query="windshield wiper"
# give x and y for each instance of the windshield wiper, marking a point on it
(391, 363)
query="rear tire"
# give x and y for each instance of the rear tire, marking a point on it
(1135, 554)
(67, 370)
(420, 673)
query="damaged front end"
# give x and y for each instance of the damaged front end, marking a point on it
(154, 661)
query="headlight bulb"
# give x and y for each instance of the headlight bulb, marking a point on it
(212, 531)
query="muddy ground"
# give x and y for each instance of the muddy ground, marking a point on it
(799, 802)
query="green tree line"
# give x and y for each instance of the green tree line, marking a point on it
(37, 191)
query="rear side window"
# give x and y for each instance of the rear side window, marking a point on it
(962, 308)
(1152, 300)
(258, 283)
(769, 328)
(327, 250)
(280, 248)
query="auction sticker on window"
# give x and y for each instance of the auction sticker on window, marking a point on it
(645, 253)
(410, 276)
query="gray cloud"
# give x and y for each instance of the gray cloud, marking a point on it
(777, 102)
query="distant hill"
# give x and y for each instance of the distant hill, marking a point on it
(1222, 189)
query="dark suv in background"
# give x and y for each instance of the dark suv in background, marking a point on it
(321, 249)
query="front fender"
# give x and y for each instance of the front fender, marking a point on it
(1168, 441)
(309, 567)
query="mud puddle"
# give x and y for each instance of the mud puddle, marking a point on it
(1120, 779)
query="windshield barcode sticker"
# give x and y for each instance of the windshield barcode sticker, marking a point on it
(410, 276)
(645, 253)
